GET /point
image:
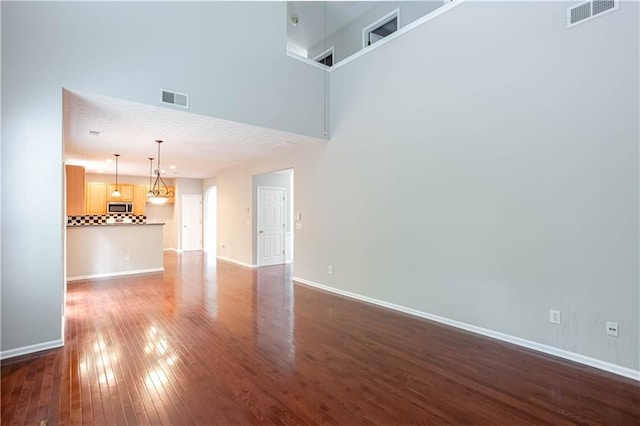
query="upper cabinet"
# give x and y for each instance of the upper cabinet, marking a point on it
(139, 199)
(96, 196)
(75, 190)
(126, 192)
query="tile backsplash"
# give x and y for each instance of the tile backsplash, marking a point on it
(88, 220)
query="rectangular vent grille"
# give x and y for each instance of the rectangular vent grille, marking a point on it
(588, 10)
(600, 6)
(174, 98)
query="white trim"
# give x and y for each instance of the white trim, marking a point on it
(386, 18)
(114, 274)
(561, 353)
(237, 262)
(326, 53)
(171, 249)
(26, 350)
(410, 26)
(307, 61)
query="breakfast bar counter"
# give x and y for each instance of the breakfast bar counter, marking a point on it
(113, 249)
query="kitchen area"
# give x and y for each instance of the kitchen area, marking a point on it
(113, 228)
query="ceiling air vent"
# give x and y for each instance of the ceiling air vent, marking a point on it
(174, 98)
(588, 10)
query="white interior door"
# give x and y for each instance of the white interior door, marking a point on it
(191, 222)
(270, 226)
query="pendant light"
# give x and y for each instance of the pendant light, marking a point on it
(160, 193)
(150, 192)
(116, 193)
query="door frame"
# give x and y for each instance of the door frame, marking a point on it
(258, 207)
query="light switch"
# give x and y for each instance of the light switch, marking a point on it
(299, 226)
(298, 216)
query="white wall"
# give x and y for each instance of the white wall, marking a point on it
(125, 50)
(163, 214)
(103, 250)
(32, 260)
(348, 40)
(236, 201)
(207, 184)
(487, 179)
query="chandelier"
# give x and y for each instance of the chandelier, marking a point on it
(158, 191)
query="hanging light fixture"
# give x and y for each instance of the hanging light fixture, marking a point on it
(160, 193)
(150, 192)
(116, 193)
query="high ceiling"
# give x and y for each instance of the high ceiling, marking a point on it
(311, 30)
(198, 146)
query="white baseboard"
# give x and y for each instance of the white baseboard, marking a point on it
(237, 262)
(114, 274)
(25, 350)
(572, 356)
(171, 249)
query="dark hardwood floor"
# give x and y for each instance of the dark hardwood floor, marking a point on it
(219, 344)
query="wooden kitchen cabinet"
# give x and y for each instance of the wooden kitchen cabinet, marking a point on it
(126, 192)
(75, 190)
(96, 198)
(139, 199)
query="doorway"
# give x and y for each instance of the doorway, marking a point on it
(271, 225)
(191, 222)
(275, 179)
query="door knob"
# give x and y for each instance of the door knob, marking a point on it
(261, 231)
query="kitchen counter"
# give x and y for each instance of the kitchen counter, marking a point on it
(113, 249)
(93, 225)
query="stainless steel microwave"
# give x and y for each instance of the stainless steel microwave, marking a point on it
(118, 207)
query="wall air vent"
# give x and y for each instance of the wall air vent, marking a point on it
(588, 10)
(174, 98)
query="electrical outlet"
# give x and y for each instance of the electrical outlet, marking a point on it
(127, 257)
(554, 316)
(612, 328)
(330, 269)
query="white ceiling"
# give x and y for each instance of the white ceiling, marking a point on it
(311, 25)
(198, 146)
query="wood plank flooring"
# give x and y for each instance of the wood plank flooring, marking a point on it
(207, 343)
